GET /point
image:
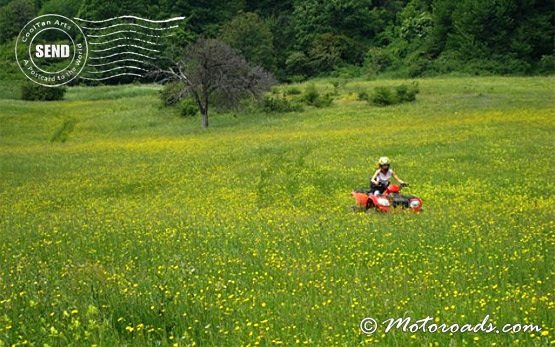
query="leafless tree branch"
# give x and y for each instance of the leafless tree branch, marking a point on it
(210, 66)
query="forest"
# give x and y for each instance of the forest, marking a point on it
(301, 39)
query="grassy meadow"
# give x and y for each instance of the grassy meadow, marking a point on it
(124, 223)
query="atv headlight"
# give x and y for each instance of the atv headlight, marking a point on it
(383, 202)
(414, 203)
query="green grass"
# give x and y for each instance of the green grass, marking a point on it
(122, 223)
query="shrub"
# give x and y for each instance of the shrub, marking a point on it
(325, 101)
(337, 84)
(297, 78)
(293, 91)
(384, 96)
(362, 95)
(35, 92)
(406, 93)
(547, 64)
(313, 98)
(279, 105)
(311, 95)
(189, 108)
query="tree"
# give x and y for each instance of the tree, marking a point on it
(13, 18)
(334, 33)
(509, 36)
(205, 17)
(248, 33)
(210, 67)
(361, 20)
(68, 8)
(102, 9)
(328, 51)
(442, 26)
(502, 30)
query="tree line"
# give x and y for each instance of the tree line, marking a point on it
(299, 39)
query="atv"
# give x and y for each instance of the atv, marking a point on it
(384, 202)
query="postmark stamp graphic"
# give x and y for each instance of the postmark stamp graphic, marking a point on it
(51, 50)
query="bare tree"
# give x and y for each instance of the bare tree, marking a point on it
(211, 67)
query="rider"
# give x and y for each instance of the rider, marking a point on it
(380, 180)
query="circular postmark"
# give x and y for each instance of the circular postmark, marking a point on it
(51, 50)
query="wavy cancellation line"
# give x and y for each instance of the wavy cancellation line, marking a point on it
(132, 24)
(119, 61)
(113, 76)
(110, 72)
(124, 38)
(134, 54)
(121, 53)
(126, 45)
(128, 32)
(130, 17)
(119, 68)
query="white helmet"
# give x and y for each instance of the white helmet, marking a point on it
(384, 161)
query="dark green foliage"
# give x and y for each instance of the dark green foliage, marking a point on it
(470, 36)
(384, 96)
(407, 93)
(334, 33)
(297, 78)
(297, 64)
(515, 30)
(297, 40)
(328, 51)
(102, 9)
(272, 104)
(311, 95)
(547, 64)
(14, 16)
(324, 101)
(189, 107)
(205, 18)
(68, 8)
(280, 24)
(338, 84)
(362, 95)
(35, 92)
(293, 91)
(378, 59)
(248, 33)
(313, 98)
(359, 20)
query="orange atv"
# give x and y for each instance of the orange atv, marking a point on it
(384, 202)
